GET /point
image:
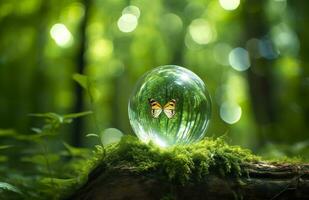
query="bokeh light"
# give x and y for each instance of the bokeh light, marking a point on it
(201, 31)
(221, 53)
(239, 59)
(230, 112)
(74, 12)
(275, 7)
(171, 23)
(61, 35)
(285, 39)
(127, 23)
(229, 4)
(134, 10)
(110, 136)
(267, 49)
(101, 49)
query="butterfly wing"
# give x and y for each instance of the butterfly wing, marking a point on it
(156, 108)
(169, 108)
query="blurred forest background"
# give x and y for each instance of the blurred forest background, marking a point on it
(71, 56)
(252, 55)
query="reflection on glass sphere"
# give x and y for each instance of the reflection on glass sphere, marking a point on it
(170, 105)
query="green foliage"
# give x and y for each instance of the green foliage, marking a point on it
(178, 164)
(68, 169)
(5, 146)
(9, 187)
(82, 80)
(53, 121)
(39, 165)
(297, 152)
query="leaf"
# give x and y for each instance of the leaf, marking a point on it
(74, 151)
(14, 135)
(5, 146)
(58, 117)
(9, 187)
(76, 115)
(36, 130)
(82, 80)
(92, 135)
(7, 132)
(54, 119)
(32, 137)
(49, 117)
(89, 85)
(41, 159)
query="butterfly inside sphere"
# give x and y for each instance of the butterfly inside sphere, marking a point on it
(168, 109)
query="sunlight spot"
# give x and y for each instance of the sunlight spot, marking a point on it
(61, 35)
(110, 136)
(127, 23)
(74, 12)
(201, 31)
(159, 142)
(134, 10)
(185, 77)
(230, 112)
(101, 49)
(229, 4)
(239, 59)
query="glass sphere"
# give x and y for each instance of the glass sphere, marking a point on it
(170, 105)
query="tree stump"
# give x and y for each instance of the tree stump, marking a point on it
(263, 180)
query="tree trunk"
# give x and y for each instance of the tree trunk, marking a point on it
(262, 181)
(259, 75)
(78, 123)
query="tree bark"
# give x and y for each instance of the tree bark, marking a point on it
(262, 181)
(259, 75)
(78, 123)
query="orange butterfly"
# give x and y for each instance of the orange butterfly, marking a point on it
(168, 109)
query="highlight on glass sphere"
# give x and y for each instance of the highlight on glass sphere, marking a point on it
(170, 105)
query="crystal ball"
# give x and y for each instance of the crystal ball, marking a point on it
(170, 105)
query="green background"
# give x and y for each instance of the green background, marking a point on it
(264, 107)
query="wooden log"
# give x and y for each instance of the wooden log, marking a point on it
(262, 180)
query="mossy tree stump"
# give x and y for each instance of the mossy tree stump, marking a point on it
(210, 169)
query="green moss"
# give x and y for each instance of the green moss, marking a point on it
(283, 160)
(178, 164)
